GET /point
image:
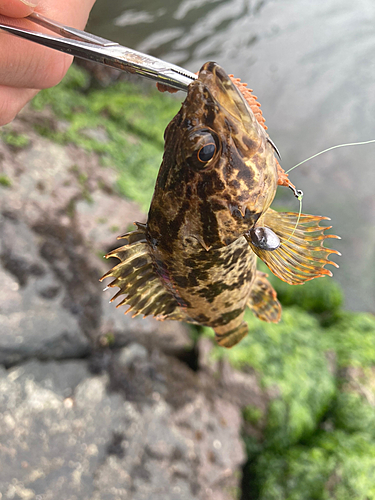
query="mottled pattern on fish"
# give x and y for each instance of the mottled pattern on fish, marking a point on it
(194, 260)
(252, 101)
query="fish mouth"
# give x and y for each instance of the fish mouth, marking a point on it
(214, 82)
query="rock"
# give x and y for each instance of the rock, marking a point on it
(34, 321)
(131, 353)
(63, 435)
(52, 445)
(212, 429)
(104, 217)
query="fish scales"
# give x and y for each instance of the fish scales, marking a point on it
(216, 183)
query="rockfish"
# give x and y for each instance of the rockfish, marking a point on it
(210, 217)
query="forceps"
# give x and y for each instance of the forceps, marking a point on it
(94, 48)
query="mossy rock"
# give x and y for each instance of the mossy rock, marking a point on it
(124, 124)
(291, 362)
(334, 466)
(5, 181)
(354, 406)
(319, 296)
(352, 335)
(12, 139)
(354, 412)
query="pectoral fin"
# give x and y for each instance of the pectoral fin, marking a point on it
(263, 300)
(137, 280)
(301, 255)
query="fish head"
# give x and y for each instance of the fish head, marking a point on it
(219, 171)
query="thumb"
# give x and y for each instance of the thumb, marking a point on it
(17, 8)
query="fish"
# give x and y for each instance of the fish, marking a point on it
(210, 218)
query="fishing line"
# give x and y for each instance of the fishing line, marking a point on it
(298, 193)
(330, 149)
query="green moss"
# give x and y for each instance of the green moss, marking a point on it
(252, 414)
(290, 360)
(109, 339)
(130, 120)
(354, 406)
(352, 336)
(322, 296)
(295, 459)
(353, 412)
(100, 254)
(13, 139)
(5, 181)
(335, 466)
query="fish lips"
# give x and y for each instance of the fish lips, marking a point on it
(223, 91)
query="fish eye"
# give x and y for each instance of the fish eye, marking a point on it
(201, 145)
(206, 152)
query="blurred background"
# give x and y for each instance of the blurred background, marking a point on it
(96, 405)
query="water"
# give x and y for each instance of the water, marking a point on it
(312, 67)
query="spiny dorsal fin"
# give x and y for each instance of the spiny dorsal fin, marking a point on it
(263, 300)
(301, 255)
(137, 280)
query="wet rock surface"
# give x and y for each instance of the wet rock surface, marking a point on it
(65, 434)
(94, 404)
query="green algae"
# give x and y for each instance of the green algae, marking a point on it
(5, 181)
(352, 410)
(335, 466)
(124, 124)
(252, 414)
(289, 358)
(352, 335)
(13, 139)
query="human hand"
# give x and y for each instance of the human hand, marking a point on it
(25, 67)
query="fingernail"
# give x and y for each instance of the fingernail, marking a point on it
(30, 3)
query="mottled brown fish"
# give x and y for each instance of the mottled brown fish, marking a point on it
(195, 258)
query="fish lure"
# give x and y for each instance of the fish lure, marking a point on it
(210, 217)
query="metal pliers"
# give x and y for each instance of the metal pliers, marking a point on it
(94, 48)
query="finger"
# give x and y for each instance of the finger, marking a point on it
(12, 101)
(70, 14)
(25, 64)
(17, 8)
(29, 65)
